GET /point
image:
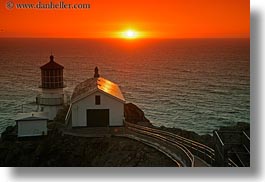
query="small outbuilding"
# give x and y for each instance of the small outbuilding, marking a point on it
(31, 124)
(96, 102)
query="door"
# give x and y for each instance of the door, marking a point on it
(97, 117)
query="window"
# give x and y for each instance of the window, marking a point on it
(97, 100)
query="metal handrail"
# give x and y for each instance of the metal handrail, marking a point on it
(186, 156)
(197, 148)
(244, 134)
(68, 114)
(171, 134)
(231, 163)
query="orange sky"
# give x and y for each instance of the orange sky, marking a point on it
(152, 18)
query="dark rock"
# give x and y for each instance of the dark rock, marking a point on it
(59, 151)
(239, 126)
(134, 114)
(207, 139)
(60, 116)
(9, 133)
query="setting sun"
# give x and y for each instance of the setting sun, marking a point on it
(130, 34)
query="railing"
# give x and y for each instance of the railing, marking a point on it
(68, 114)
(183, 153)
(225, 142)
(231, 163)
(246, 141)
(220, 159)
(202, 151)
(49, 101)
(198, 149)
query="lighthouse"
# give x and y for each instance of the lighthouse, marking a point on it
(51, 96)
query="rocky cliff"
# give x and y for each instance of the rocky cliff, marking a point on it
(57, 150)
(135, 115)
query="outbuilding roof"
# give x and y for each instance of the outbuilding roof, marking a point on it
(32, 116)
(92, 85)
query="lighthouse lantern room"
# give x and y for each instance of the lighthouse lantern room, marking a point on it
(51, 96)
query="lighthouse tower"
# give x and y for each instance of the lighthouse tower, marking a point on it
(51, 97)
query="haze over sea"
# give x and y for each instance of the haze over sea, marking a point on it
(192, 84)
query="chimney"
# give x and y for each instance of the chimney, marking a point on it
(96, 74)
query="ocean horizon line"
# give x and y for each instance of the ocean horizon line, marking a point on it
(136, 39)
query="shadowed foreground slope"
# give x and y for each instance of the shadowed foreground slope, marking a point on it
(76, 151)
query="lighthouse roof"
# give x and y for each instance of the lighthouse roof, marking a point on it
(51, 65)
(92, 85)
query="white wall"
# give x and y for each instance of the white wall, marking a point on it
(79, 109)
(51, 110)
(32, 128)
(51, 93)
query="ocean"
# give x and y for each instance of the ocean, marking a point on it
(192, 84)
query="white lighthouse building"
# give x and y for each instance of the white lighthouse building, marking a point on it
(96, 102)
(51, 97)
